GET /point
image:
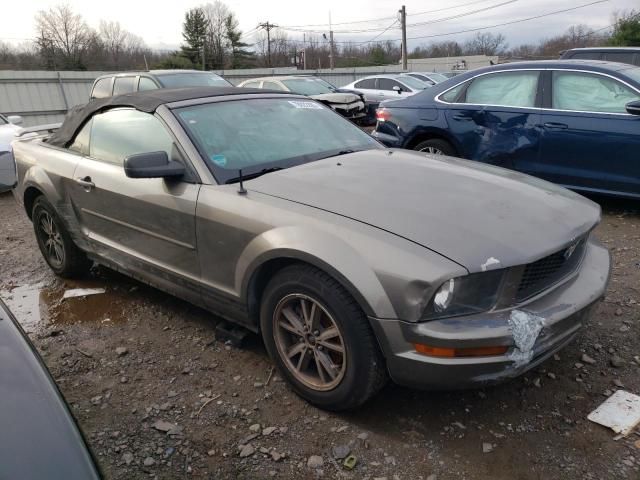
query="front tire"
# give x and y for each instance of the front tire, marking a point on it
(61, 254)
(320, 339)
(436, 146)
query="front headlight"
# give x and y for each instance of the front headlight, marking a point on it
(473, 293)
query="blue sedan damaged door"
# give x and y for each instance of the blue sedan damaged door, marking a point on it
(495, 120)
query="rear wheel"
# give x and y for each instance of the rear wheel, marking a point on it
(58, 250)
(320, 339)
(436, 146)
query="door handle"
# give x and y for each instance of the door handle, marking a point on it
(556, 126)
(86, 183)
(462, 116)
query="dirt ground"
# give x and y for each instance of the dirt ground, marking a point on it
(132, 359)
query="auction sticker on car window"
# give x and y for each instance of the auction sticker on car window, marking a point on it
(303, 104)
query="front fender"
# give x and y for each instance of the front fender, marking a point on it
(323, 250)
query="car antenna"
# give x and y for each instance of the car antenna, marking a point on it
(241, 190)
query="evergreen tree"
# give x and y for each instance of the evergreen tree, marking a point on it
(239, 56)
(194, 31)
(626, 33)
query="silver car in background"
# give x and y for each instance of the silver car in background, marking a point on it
(354, 262)
(348, 104)
(9, 127)
(378, 88)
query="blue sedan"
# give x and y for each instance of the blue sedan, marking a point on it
(572, 122)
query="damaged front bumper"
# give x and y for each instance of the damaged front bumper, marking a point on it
(532, 332)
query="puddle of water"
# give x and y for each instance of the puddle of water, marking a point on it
(37, 305)
(24, 302)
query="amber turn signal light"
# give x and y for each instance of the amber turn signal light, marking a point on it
(445, 352)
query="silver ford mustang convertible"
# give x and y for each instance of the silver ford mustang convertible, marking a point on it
(354, 262)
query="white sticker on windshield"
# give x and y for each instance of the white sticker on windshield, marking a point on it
(303, 104)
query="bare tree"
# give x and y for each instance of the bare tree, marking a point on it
(63, 35)
(486, 43)
(119, 44)
(216, 45)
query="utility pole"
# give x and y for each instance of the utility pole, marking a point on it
(331, 60)
(204, 43)
(268, 26)
(403, 22)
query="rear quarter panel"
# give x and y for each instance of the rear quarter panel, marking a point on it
(50, 171)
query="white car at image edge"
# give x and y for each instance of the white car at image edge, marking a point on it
(9, 126)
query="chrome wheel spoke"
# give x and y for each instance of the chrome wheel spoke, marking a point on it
(319, 368)
(336, 347)
(293, 320)
(297, 349)
(331, 332)
(311, 314)
(324, 363)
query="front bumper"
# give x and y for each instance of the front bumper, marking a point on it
(564, 310)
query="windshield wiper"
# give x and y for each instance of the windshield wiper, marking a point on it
(254, 174)
(342, 152)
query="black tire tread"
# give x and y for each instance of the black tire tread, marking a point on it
(376, 376)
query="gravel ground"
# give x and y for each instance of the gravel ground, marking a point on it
(159, 397)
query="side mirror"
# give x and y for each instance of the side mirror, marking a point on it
(15, 119)
(397, 89)
(633, 107)
(152, 165)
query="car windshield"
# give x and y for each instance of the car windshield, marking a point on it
(437, 77)
(180, 80)
(307, 86)
(262, 134)
(414, 83)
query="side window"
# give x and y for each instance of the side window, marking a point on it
(124, 85)
(587, 92)
(146, 83)
(119, 133)
(511, 89)
(366, 83)
(452, 95)
(252, 85)
(622, 57)
(272, 85)
(585, 56)
(388, 84)
(81, 141)
(102, 88)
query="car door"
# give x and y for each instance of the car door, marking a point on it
(493, 119)
(386, 90)
(146, 226)
(589, 141)
(367, 87)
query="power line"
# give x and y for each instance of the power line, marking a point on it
(437, 20)
(389, 18)
(535, 17)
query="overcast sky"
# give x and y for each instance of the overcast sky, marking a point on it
(159, 22)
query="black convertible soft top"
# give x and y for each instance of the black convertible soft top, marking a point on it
(147, 101)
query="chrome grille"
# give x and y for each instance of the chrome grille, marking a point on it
(544, 273)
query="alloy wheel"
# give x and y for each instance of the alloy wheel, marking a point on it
(309, 342)
(432, 150)
(51, 239)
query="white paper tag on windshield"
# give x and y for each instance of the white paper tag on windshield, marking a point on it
(303, 104)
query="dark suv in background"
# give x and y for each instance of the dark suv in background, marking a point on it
(629, 55)
(129, 82)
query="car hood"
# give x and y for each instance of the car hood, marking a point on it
(337, 97)
(471, 213)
